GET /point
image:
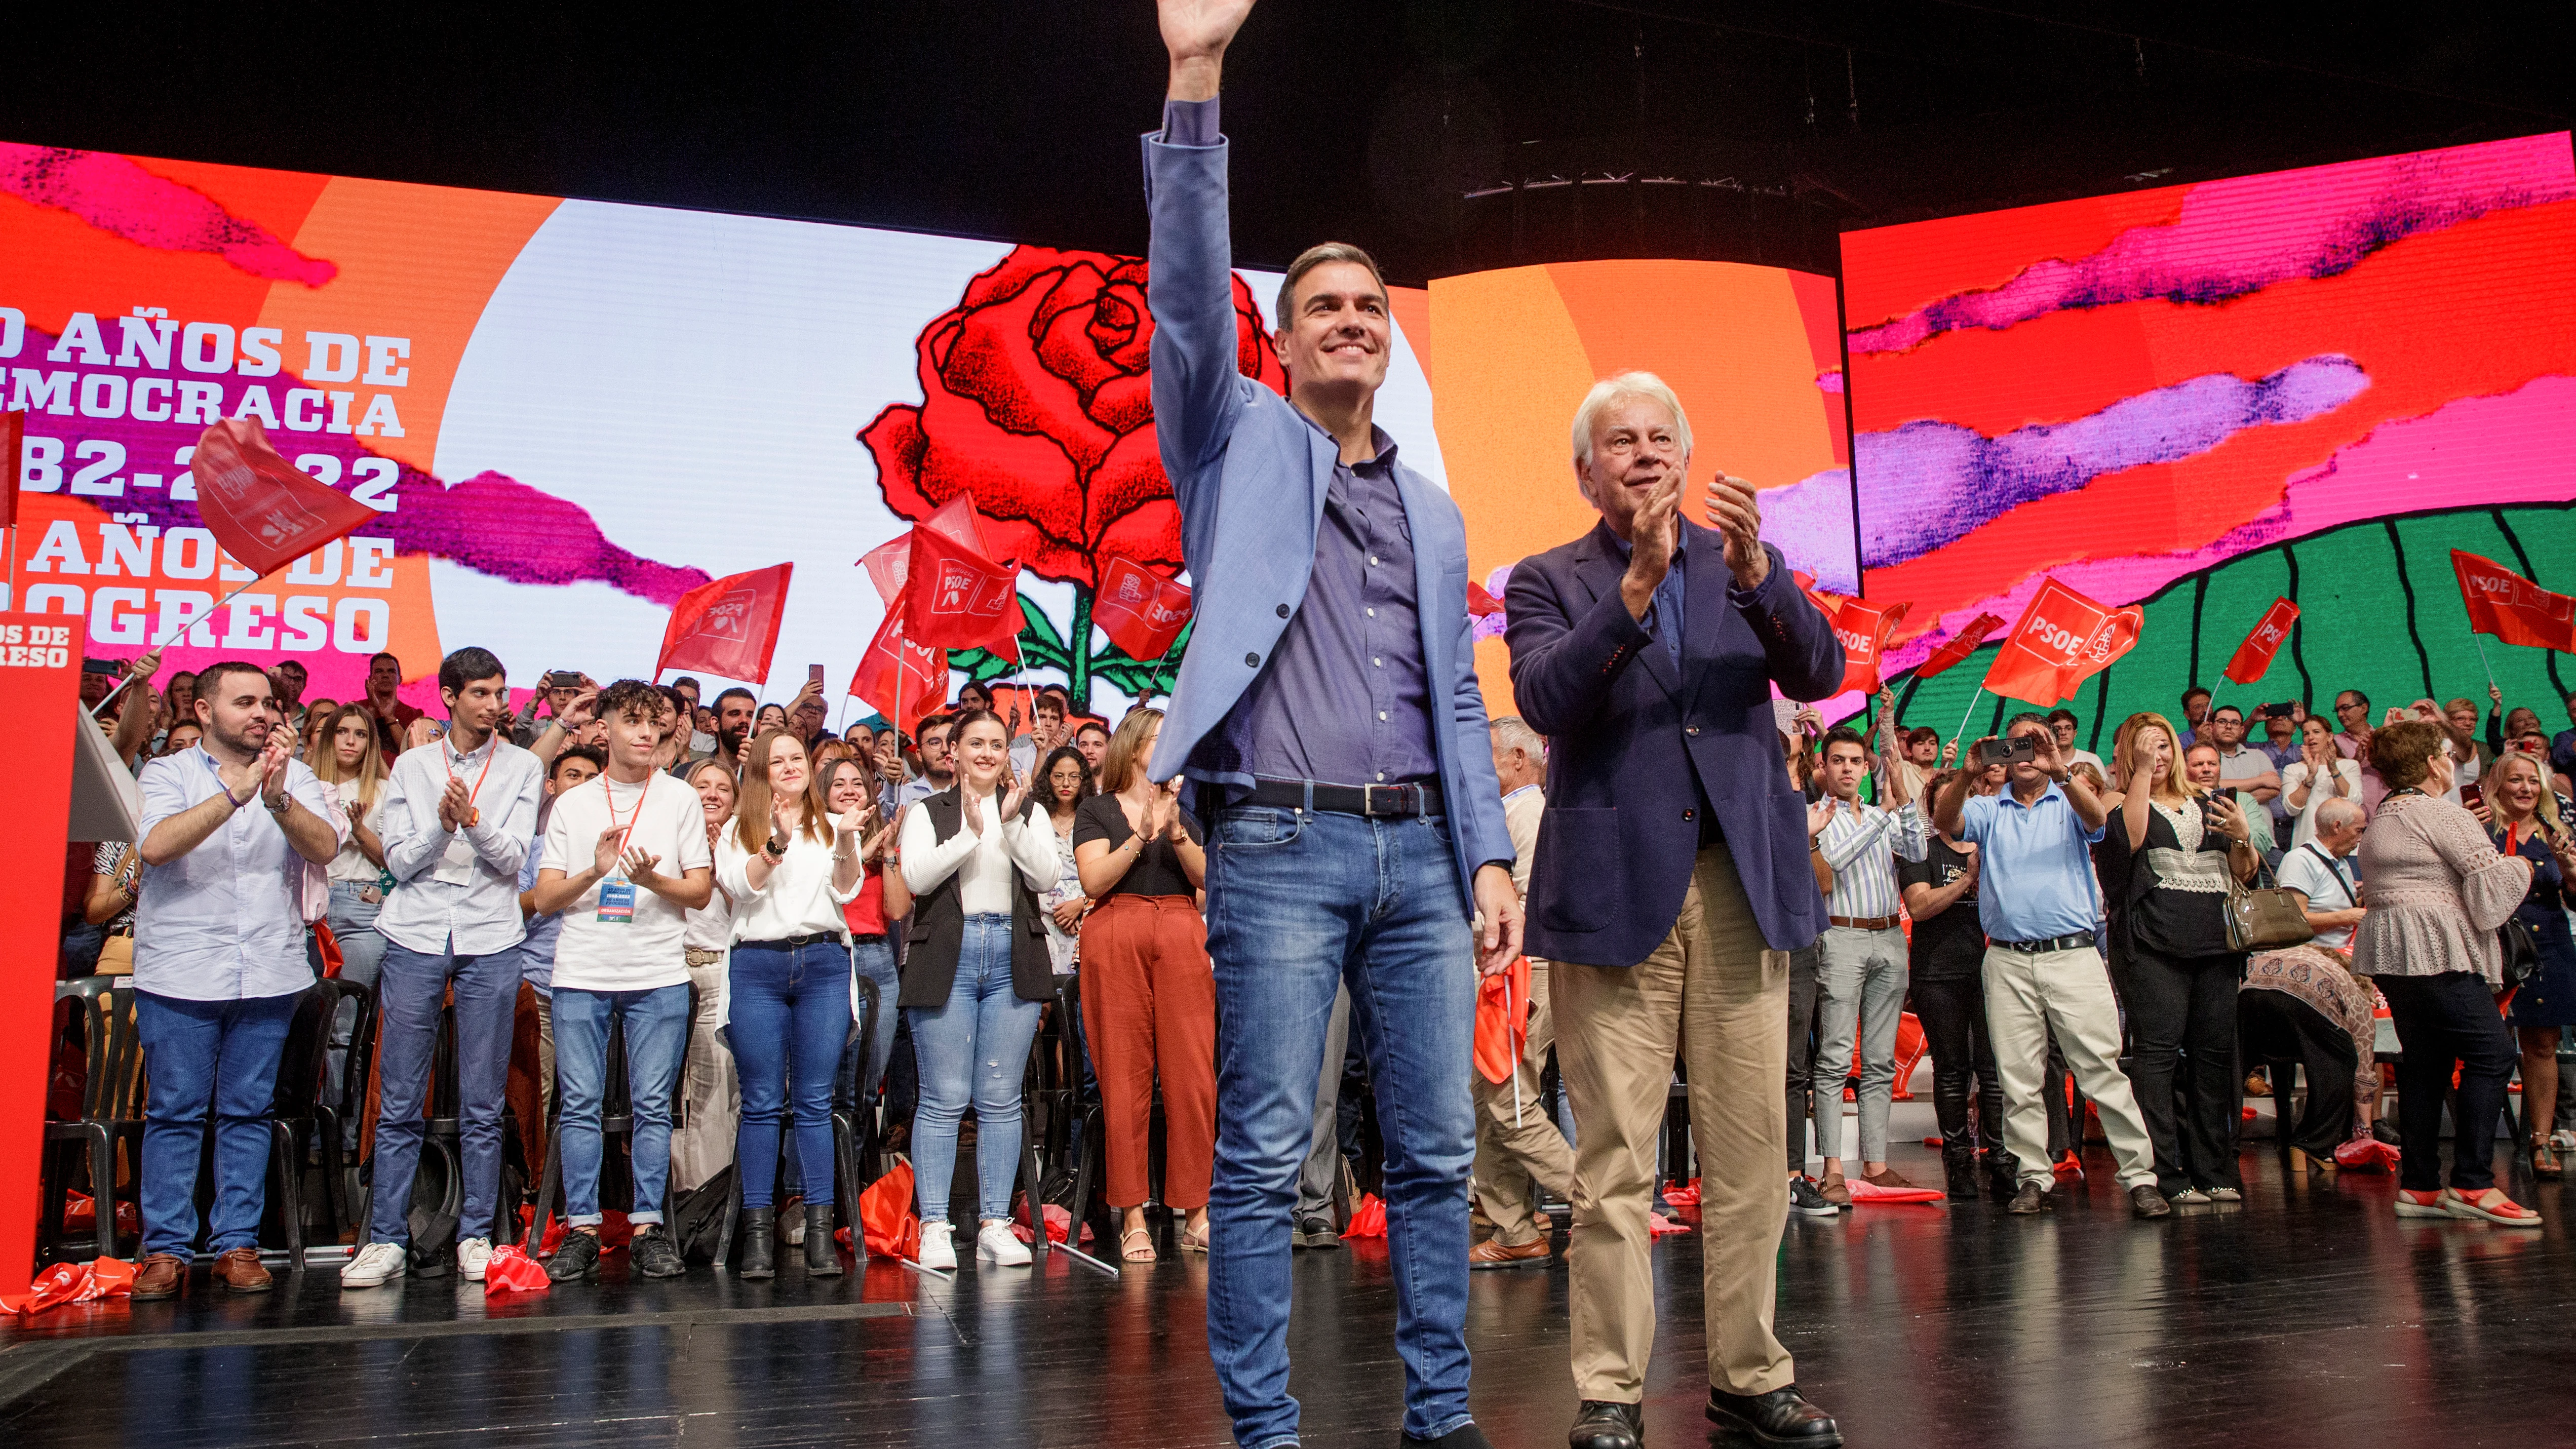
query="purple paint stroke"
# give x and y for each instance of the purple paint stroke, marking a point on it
(1930, 483)
(2241, 235)
(116, 195)
(2448, 458)
(1810, 522)
(490, 523)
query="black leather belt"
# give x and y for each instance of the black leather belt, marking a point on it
(790, 943)
(2071, 942)
(1420, 798)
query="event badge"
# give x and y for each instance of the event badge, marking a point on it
(617, 902)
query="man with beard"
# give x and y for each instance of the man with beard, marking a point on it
(218, 967)
(393, 717)
(736, 708)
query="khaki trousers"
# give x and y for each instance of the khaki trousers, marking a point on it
(2026, 994)
(1712, 988)
(1517, 1147)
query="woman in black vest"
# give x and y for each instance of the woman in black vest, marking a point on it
(975, 856)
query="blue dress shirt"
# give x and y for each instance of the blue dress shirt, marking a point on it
(223, 922)
(2037, 881)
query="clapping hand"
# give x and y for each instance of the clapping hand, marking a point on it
(1737, 516)
(272, 766)
(1820, 815)
(455, 806)
(603, 857)
(637, 865)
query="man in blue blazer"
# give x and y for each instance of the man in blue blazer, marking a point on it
(1328, 712)
(1671, 883)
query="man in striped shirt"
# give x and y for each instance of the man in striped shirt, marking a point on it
(1863, 978)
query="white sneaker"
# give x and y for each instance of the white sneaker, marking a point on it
(936, 1250)
(1000, 1244)
(375, 1263)
(473, 1255)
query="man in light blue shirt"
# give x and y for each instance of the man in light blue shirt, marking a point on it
(219, 965)
(2043, 972)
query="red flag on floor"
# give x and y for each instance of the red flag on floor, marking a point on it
(1141, 611)
(886, 1220)
(2254, 656)
(265, 513)
(1864, 628)
(2513, 608)
(1959, 646)
(955, 595)
(903, 678)
(2062, 640)
(729, 626)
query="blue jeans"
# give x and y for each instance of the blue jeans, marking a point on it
(218, 1056)
(411, 994)
(791, 1017)
(863, 1065)
(1299, 905)
(657, 1037)
(976, 1048)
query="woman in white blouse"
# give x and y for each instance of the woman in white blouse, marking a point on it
(974, 856)
(2319, 774)
(709, 1111)
(790, 868)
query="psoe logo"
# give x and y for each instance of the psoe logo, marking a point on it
(728, 617)
(956, 589)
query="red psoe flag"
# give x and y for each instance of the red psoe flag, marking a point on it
(955, 595)
(1864, 627)
(1959, 646)
(887, 564)
(1480, 602)
(2062, 640)
(13, 441)
(727, 627)
(2254, 656)
(2513, 608)
(264, 512)
(905, 680)
(1141, 611)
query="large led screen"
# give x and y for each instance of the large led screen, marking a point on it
(2311, 383)
(567, 413)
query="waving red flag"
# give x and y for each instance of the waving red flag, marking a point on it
(2062, 640)
(2254, 656)
(265, 513)
(2513, 608)
(1863, 627)
(1959, 646)
(904, 679)
(955, 595)
(1480, 602)
(727, 627)
(1141, 611)
(887, 564)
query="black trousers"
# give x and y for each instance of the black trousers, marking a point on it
(2279, 1027)
(2441, 1020)
(1805, 1011)
(2182, 1025)
(1953, 1014)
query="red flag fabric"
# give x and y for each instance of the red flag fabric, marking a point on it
(511, 1270)
(2513, 608)
(2062, 640)
(1368, 1217)
(887, 1222)
(887, 564)
(1959, 646)
(264, 512)
(904, 678)
(1481, 603)
(727, 627)
(73, 1283)
(1863, 627)
(1502, 1021)
(13, 442)
(2254, 656)
(1141, 611)
(955, 595)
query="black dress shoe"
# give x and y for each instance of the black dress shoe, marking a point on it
(1781, 1416)
(2032, 1198)
(1465, 1436)
(1606, 1425)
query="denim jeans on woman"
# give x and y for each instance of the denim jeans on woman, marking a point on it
(1298, 906)
(657, 1039)
(790, 1019)
(362, 955)
(974, 1050)
(205, 1058)
(863, 1063)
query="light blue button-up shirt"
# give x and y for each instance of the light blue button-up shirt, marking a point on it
(223, 922)
(2037, 881)
(460, 885)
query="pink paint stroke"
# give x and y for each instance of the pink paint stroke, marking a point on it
(116, 195)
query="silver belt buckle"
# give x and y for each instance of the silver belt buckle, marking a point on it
(1368, 799)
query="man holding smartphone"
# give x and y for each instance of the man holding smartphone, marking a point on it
(2043, 971)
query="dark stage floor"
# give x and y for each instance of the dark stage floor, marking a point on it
(2309, 1316)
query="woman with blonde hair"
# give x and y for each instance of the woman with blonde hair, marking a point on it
(2168, 854)
(2524, 818)
(1148, 988)
(2438, 891)
(319, 720)
(346, 756)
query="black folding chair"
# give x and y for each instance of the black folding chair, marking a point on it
(111, 1112)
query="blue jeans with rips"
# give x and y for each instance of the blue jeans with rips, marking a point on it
(1300, 904)
(657, 1038)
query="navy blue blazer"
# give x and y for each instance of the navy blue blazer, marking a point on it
(1616, 846)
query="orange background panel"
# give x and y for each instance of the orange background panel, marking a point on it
(87, 269)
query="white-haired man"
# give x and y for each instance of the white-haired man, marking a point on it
(1671, 881)
(1518, 1148)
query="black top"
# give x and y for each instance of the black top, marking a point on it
(2151, 914)
(1952, 945)
(1157, 870)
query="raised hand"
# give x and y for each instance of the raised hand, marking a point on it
(1195, 35)
(1820, 815)
(1737, 515)
(875, 849)
(455, 805)
(1950, 754)
(638, 865)
(973, 809)
(603, 857)
(272, 766)
(1652, 534)
(2231, 820)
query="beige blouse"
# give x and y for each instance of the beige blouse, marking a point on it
(2437, 889)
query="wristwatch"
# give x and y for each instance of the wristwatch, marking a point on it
(284, 802)
(776, 849)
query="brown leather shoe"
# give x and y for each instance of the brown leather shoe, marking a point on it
(1835, 1190)
(159, 1276)
(1887, 1177)
(241, 1271)
(1492, 1254)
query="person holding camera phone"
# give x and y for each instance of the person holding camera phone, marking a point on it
(2035, 898)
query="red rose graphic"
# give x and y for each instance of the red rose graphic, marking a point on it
(1036, 399)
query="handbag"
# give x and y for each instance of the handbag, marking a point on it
(2268, 918)
(2521, 951)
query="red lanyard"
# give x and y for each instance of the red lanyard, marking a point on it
(455, 759)
(636, 815)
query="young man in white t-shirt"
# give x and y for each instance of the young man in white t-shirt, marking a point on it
(625, 860)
